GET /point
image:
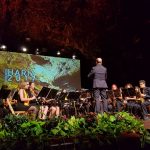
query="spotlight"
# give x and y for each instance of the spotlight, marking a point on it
(58, 53)
(24, 49)
(73, 56)
(28, 39)
(3, 47)
(37, 52)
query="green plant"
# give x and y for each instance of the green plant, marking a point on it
(32, 128)
(13, 122)
(12, 125)
(104, 128)
(70, 127)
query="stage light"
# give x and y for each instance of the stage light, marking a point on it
(37, 52)
(3, 47)
(28, 39)
(73, 56)
(58, 53)
(24, 49)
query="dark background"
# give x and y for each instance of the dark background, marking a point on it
(116, 30)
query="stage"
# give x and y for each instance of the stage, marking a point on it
(147, 124)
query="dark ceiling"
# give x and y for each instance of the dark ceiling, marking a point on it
(116, 30)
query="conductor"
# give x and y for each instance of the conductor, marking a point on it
(99, 74)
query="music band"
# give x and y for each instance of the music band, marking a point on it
(49, 102)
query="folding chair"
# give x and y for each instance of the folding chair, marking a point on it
(12, 110)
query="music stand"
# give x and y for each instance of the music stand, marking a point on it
(4, 93)
(44, 92)
(52, 94)
(73, 96)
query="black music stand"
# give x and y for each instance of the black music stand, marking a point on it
(52, 94)
(44, 92)
(74, 96)
(129, 92)
(4, 93)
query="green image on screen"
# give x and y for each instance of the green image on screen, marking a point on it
(53, 72)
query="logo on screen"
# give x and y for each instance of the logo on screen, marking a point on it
(18, 75)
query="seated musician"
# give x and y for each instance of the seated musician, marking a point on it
(63, 101)
(3, 109)
(85, 103)
(146, 95)
(111, 99)
(54, 110)
(24, 102)
(132, 106)
(32, 92)
(51, 106)
(118, 100)
(43, 110)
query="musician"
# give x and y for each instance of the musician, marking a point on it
(32, 89)
(99, 73)
(51, 105)
(32, 92)
(146, 96)
(130, 100)
(54, 111)
(63, 102)
(118, 99)
(24, 102)
(43, 109)
(3, 110)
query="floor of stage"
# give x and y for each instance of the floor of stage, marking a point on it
(147, 124)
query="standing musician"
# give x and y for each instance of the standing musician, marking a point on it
(146, 96)
(24, 101)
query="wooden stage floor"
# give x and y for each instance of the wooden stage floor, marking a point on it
(147, 124)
